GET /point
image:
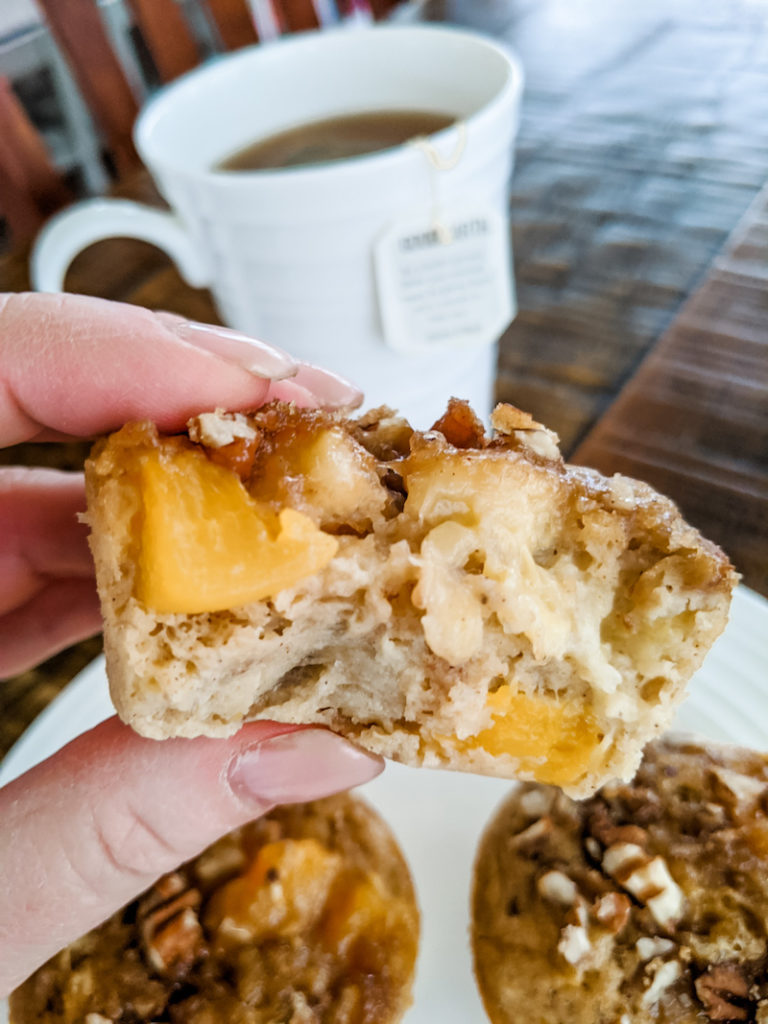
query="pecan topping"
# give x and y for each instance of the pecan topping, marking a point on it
(665, 974)
(737, 787)
(593, 847)
(533, 836)
(574, 943)
(216, 430)
(612, 911)
(162, 891)
(171, 935)
(724, 992)
(608, 832)
(537, 802)
(644, 805)
(558, 888)
(649, 946)
(647, 879)
(238, 456)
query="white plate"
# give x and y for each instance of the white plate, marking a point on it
(438, 816)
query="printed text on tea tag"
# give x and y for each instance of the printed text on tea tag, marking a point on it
(445, 283)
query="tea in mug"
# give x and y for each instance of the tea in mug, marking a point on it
(335, 138)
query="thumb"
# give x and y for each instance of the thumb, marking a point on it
(93, 826)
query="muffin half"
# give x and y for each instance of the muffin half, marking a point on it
(443, 598)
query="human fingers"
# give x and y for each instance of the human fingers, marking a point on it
(47, 593)
(309, 386)
(92, 827)
(40, 536)
(78, 366)
(59, 613)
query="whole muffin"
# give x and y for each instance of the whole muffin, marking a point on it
(646, 903)
(307, 916)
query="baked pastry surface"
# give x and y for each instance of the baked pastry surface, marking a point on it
(443, 598)
(646, 903)
(307, 916)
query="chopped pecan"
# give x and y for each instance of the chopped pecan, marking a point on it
(218, 429)
(593, 848)
(724, 992)
(537, 802)
(558, 888)
(647, 879)
(643, 805)
(164, 889)
(626, 834)
(577, 914)
(612, 911)
(238, 456)
(171, 935)
(649, 946)
(574, 943)
(665, 973)
(515, 427)
(535, 835)
(221, 861)
(737, 788)
(608, 832)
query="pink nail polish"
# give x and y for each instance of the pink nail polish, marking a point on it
(253, 355)
(329, 388)
(299, 766)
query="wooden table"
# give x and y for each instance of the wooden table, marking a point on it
(642, 336)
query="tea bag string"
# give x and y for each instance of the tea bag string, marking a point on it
(438, 162)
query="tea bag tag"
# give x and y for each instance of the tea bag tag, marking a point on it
(443, 276)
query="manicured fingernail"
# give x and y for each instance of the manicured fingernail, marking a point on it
(298, 766)
(253, 355)
(329, 388)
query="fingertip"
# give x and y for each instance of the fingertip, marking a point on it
(299, 766)
(314, 387)
(251, 354)
(81, 366)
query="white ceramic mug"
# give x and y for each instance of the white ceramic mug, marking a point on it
(287, 253)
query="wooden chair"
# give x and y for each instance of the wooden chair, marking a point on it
(30, 188)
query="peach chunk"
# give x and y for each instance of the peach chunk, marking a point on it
(206, 545)
(554, 741)
(282, 893)
(355, 909)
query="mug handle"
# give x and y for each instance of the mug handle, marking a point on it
(93, 220)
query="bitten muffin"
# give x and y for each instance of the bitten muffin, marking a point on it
(443, 598)
(647, 903)
(307, 916)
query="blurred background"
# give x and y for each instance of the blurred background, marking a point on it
(644, 139)
(81, 68)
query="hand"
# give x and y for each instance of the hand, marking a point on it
(86, 831)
